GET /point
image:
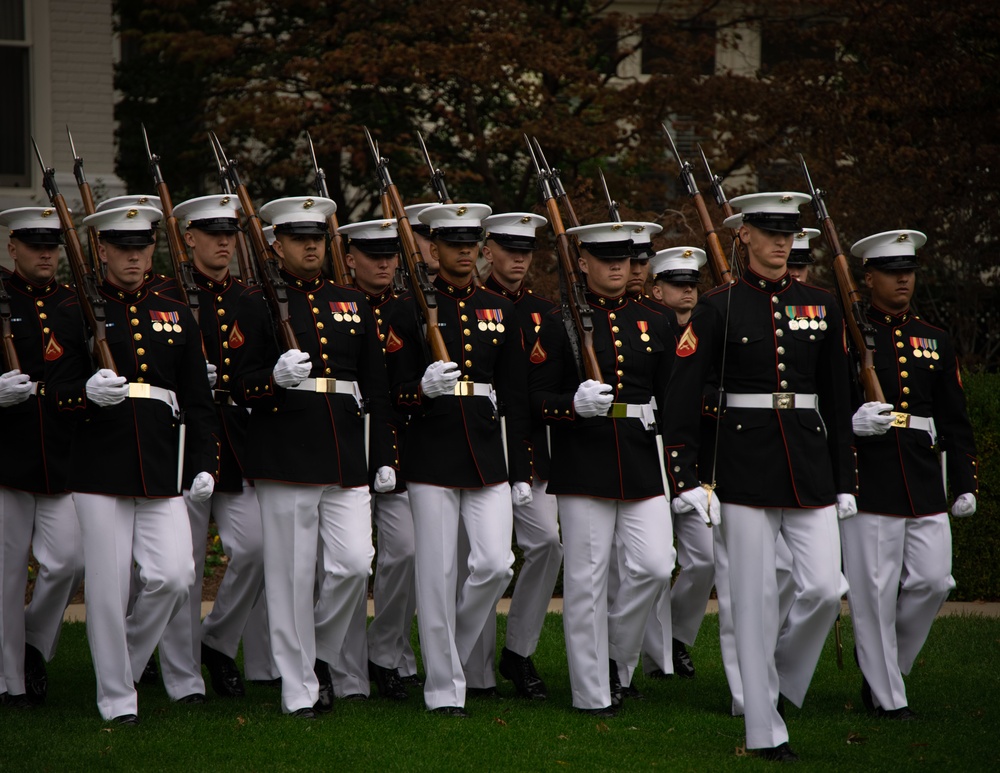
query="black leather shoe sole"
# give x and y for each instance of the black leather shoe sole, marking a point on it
(608, 712)
(780, 753)
(194, 699)
(129, 720)
(450, 711)
(306, 713)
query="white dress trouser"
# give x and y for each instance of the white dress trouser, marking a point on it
(155, 533)
(596, 632)
(296, 519)
(727, 632)
(450, 618)
(536, 528)
(773, 657)
(899, 570)
(238, 517)
(47, 525)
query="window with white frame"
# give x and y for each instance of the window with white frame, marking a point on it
(15, 127)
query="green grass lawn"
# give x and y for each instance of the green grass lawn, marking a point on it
(681, 725)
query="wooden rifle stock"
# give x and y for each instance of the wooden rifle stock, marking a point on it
(860, 330)
(248, 270)
(84, 279)
(10, 357)
(727, 212)
(338, 263)
(267, 265)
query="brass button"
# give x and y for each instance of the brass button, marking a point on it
(904, 405)
(904, 374)
(322, 340)
(140, 351)
(135, 322)
(144, 367)
(221, 312)
(902, 359)
(899, 344)
(468, 347)
(137, 336)
(906, 390)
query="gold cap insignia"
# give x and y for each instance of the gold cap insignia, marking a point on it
(308, 203)
(132, 213)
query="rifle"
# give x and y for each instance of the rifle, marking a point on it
(183, 269)
(89, 208)
(83, 276)
(557, 187)
(275, 287)
(716, 257)
(727, 208)
(338, 263)
(577, 314)
(861, 331)
(424, 292)
(613, 212)
(248, 271)
(9, 352)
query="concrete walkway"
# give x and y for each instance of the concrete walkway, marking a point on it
(75, 612)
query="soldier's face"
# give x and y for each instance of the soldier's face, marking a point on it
(372, 273)
(891, 290)
(768, 250)
(679, 297)
(126, 265)
(210, 251)
(301, 254)
(35, 262)
(605, 277)
(638, 271)
(424, 245)
(456, 260)
(509, 266)
(799, 272)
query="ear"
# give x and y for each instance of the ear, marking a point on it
(278, 249)
(869, 282)
(488, 253)
(189, 239)
(11, 251)
(434, 251)
(102, 253)
(349, 259)
(744, 234)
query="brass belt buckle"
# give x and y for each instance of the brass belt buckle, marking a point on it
(900, 420)
(465, 389)
(325, 384)
(782, 401)
(139, 390)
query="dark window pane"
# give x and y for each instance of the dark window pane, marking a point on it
(791, 43)
(14, 126)
(665, 44)
(11, 19)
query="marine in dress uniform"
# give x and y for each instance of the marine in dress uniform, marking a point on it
(784, 460)
(210, 225)
(508, 248)
(306, 449)
(383, 654)
(36, 511)
(676, 273)
(800, 259)
(125, 470)
(607, 472)
(454, 453)
(897, 550)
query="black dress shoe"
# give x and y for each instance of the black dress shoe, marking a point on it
(451, 711)
(608, 712)
(267, 682)
(683, 666)
(657, 673)
(126, 719)
(151, 673)
(306, 713)
(632, 693)
(483, 692)
(521, 671)
(324, 703)
(411, 680)
(17, 701)
(354, 697)
(225, 676)
(781, 753)
(903, 714)
(194, 699)
(387, 682)
(617, 691)
(36, 679)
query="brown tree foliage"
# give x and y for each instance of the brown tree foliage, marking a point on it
(892, 102)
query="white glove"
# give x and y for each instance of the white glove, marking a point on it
(520, 493)
(868, 419)
(592, 399)
(15, 387)
(964, 506)
(105, 389)
(292, 368)
(698, 499)
(202, 487)
(847, 505)
(439, 379)
(385, 479)
(213, 374)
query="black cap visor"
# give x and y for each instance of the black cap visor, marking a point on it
(303, 228)
(621, 250)
(893, 263)
(679, 277)
(142, 238)
(42, 237)
(377, 247)
(783, 223)
(216, 225)
(458, 235)
(800, 258)
(515, 242)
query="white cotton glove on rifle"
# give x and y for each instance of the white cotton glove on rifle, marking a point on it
(15, 387)
(105, 388)
(439, 379)
(213, 374)
(292, 368)
(964, 506)
(592, 399)
(847, 506)
(698, 499)
(520, 493)
(385, 479)
(869, 419)
(202, 487)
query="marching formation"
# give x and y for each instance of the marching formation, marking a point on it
(363, 384)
